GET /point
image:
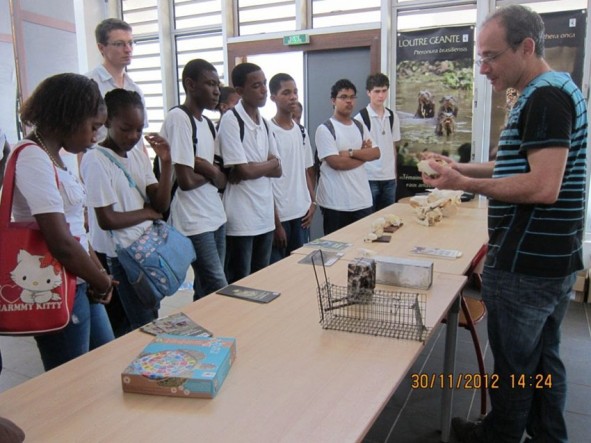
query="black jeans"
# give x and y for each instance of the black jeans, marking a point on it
(335, 220)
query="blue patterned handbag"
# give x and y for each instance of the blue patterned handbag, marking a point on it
(156, 263)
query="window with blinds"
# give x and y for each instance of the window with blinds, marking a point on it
(326, 13)
(265, 16)
(208, 46)
(192, 14)
(196, 33)
(144, 69)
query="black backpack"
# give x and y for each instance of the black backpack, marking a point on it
(156, 164)
(367, 120)
(330, 126)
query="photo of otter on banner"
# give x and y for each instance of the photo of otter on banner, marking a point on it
(434, 94)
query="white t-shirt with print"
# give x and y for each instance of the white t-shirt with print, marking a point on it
(201, 209)
(107, 185)
(248, 204)
(384, 168)
(292, 197)
(36, 191)
(341, 190)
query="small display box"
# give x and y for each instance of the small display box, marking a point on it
(181, 366)
(395, 271)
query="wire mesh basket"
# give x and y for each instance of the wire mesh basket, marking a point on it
(377, 312)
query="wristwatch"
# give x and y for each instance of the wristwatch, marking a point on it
(351, 153)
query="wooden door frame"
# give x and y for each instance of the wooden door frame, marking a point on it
(239, 51)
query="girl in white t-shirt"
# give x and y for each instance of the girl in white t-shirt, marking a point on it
(119, 208)
(66, 111)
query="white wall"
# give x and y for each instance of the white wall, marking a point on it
(7, 76)
(51, 37)
(88, 13)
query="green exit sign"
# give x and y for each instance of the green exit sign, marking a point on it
(296, 39)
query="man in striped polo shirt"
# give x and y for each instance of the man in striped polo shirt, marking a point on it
(536, 221)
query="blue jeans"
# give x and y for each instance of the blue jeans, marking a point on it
(210, 248)
(524, 317)
(296, 237)
(137, 314)
(334, 220)
(88, 328)
(246, 255)
(383, 193)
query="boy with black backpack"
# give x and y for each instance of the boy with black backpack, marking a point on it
(384, 128)
(197, 210)
(249, 152)
(343, 146)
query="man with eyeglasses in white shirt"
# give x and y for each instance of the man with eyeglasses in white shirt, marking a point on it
(115, 42)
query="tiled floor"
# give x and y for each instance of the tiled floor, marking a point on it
(411, 416)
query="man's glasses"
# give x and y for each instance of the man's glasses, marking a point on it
(491, 58)
(347, 97)
(121, 44)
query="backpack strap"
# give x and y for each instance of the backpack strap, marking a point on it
(365, 117)
(303, 131)
(330, 126)
(240, 123)
(266, 124)
(193, 125)
(391, 117)
(156, 165)
(359, 126)
(211, 128)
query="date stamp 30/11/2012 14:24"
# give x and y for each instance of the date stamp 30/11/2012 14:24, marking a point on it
(477, 381)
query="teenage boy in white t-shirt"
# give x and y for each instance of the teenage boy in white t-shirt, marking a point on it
(343, 146)
(294, 190)
(384, 128)
(248, 149)
(197, 210)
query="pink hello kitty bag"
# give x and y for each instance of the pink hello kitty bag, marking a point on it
(36, 292)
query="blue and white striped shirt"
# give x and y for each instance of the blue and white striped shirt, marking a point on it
(538, 239)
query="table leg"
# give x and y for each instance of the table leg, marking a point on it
(449, 366)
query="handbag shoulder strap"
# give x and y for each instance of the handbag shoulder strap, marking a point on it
(117, 163)
(9, 182)
(130, 180)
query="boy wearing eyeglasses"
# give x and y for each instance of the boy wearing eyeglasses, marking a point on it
(343, 146)
(114, 40)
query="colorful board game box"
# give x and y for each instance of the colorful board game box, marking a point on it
(181, 366)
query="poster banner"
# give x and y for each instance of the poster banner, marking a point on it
(564, 51)
(434, 79)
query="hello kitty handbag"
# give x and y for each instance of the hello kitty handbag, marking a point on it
(36, 292)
